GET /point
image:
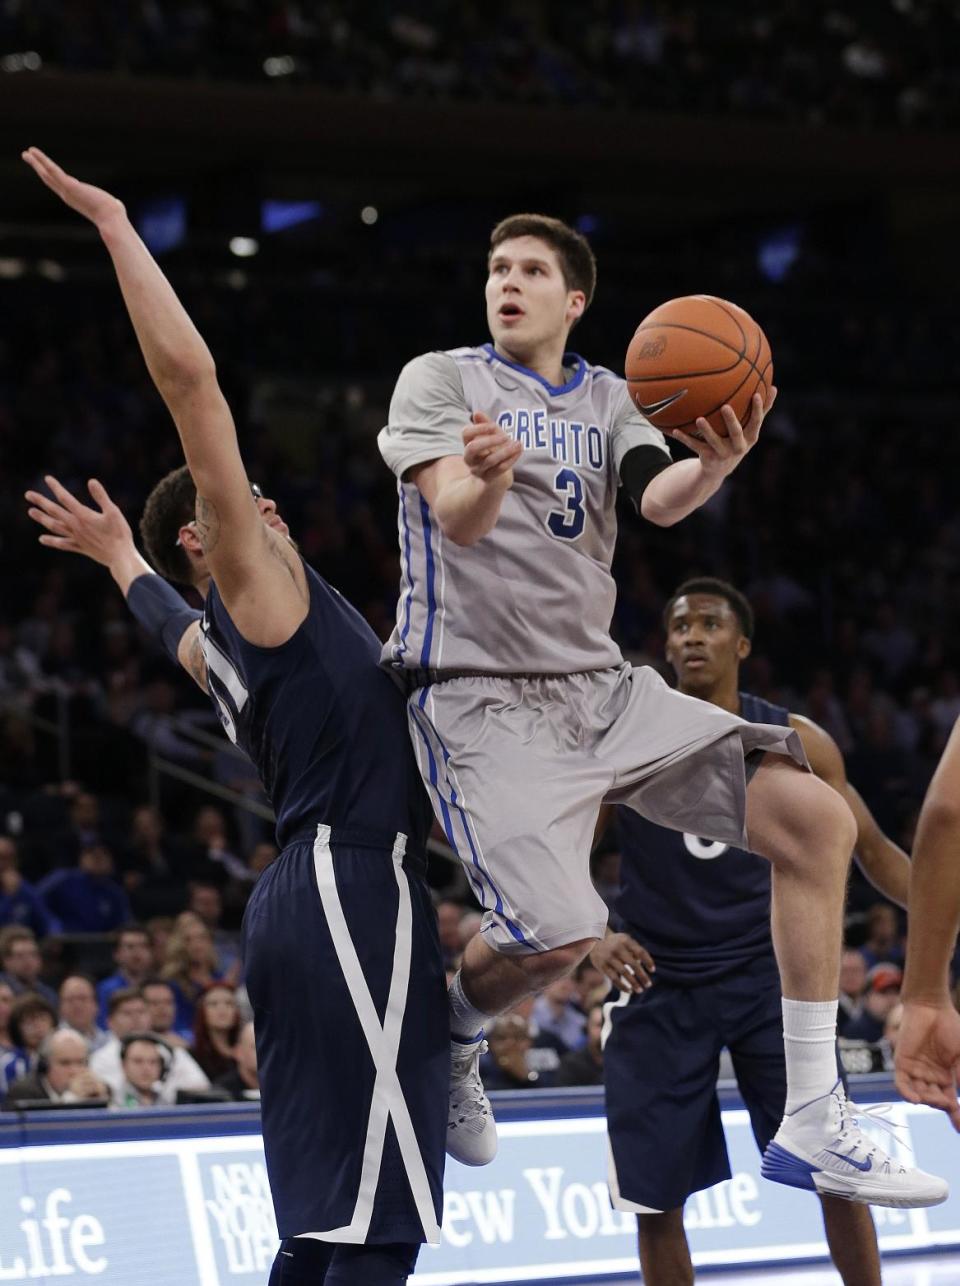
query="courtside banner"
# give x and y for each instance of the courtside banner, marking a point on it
(196, 1210)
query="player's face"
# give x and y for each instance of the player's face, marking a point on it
(528, 302)
(268, 512)
(705, 643)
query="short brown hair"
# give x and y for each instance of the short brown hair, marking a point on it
(15, 933)
(120, 997)
(170, 505)
(577, 262)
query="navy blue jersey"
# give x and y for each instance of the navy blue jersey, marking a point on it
(324, 726)
(700, 908)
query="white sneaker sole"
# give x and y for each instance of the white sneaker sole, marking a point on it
(796, 1168)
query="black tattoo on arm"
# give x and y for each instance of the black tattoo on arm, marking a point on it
(208, 524)
(196, 665)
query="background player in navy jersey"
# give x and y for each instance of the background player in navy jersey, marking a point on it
(702, 911)
(342, 959)
(524, 713)
(928, 1048)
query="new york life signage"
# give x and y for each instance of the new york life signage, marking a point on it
(197, 1210)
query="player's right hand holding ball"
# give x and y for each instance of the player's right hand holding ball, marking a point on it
(489, 452)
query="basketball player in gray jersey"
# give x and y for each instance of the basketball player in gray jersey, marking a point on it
(525, 716)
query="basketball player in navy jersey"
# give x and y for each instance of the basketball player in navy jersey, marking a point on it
(342, 958)
(928, 1047)
(702, 911)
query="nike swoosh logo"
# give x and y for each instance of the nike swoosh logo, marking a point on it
(860, 1165)
(653, 407)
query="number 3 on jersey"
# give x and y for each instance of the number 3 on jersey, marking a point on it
(568, 523)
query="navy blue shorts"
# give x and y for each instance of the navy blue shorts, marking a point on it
(661, 1061)
(345, 975)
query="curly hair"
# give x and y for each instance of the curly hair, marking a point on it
(170, 506)
(577, 262)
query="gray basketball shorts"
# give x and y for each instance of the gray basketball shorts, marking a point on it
(517, 769)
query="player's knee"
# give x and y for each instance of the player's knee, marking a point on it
(820, 828)
(547, 966)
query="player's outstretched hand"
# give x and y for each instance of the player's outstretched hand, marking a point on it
(489, 453)
(93, 203)
(719, 455)
(927, 1059)
(102, 534)
(624, 961)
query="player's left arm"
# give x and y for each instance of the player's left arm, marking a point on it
(676, 492)
(883, 862)
(101, 533)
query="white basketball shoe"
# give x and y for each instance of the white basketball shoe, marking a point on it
(471, 1129)
(821, 1147)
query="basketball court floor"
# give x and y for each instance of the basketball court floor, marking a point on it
(926, 1270)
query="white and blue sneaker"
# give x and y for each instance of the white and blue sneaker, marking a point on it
(821, 1147)
(471, 1129)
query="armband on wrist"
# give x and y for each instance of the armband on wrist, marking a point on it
(161, 611)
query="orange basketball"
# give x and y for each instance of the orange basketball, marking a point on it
(690, 356)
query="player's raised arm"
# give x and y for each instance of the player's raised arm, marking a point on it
(685, 486)
(928, 1049)
(102, 534)
(258, 574)
(883, 862)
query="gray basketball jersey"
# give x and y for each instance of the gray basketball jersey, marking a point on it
(535, 595)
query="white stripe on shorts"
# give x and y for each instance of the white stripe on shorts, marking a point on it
(384, 1044)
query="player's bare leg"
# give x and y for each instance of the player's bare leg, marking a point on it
(489, 983)
(852, 1240)
(496, 982)
(664, 1253)
(808, 832)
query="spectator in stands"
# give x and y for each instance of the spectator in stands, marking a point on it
(853, 983)
(62, 1075)
(159, 929)
(261, 857)
(216, 1030)
(6, 1008)
(156, 866)
(191, 966)
(210, 834)
(585, 1066)
(22, 963)
(884, 943)
(129, 1016)
(242, 1081)
(134, 962)
(449, 915)
(206, 902)
(508, 1067)
(162, 1010)
(555, 1011)
(78, 1010)
(20, 903)
(32, 1019)
(882, 996)
(144, 1062)
(592, 986)
(83, 829)
(87, 899)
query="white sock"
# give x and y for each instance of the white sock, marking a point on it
(810, 1045)
(466, 1021)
